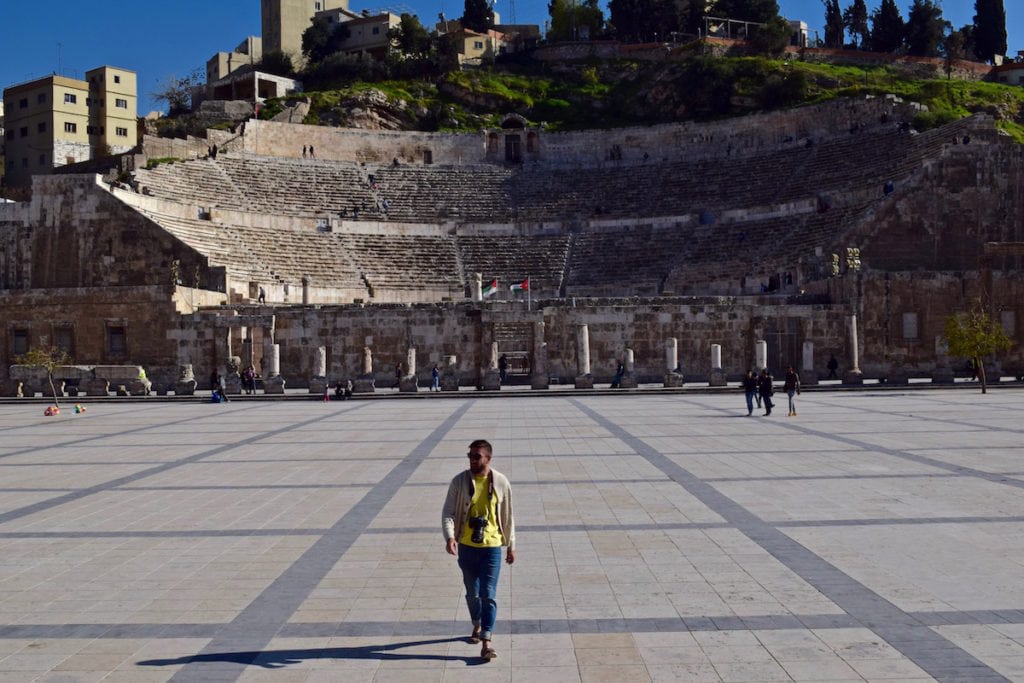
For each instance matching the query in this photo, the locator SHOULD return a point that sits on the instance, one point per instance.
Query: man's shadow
(277, 659)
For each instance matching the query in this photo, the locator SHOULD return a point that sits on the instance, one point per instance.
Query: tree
(323, 39)
(952, 49)
(855, 18)
(478, 16)
(887, 28)
(410, 37)
(49, 358)
(772, 38)
(177, 92)
(925, 28)
(570, 21)
(760, 11)
(989, 29)
(834, 27)
(974, 335)
(276, 62)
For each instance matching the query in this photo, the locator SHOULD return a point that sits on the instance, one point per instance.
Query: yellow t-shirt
(482, 505)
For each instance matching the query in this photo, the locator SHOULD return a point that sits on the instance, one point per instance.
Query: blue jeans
(750, 401)
(792, 406)
(436, 385)
(480, 568)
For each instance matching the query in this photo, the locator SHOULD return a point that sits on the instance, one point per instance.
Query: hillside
(609, 94)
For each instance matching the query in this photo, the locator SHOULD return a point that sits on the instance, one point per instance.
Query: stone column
(273, 383)
(539, 366)
(450, 374)
(492, 378)
(853, 375)
(808, 375)
(760, 355)
(408, 383)
(186, 384)
(364, 384)
(584, 380)
(478, 287)
(672, 377)
(717, 376)
(318, 383)
(629, 376)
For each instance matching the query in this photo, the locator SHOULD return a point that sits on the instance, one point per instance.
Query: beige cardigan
(460, 495)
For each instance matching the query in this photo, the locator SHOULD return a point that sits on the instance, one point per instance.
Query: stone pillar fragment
(760, 355)
(808, 375)
(629, 376)
(450, 374)
(478, 287)
(853, 375)
(492, 377)
(539, 366)
(673, 378)
(318, 383)
(409, 383)
(364, 384)
(186, 384)
(305, 290)
(717, 376)
(584, 380)
(943, 372)
(273, 383)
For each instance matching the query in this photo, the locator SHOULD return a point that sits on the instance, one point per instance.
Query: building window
(41, 98)
(478, 45)
(24, 162)
(70, 98)
(23, 131)
(117, 79)
(122, 132)
(41, 128)
(20, 342)
(117, 345)
(910, 325)
(70, 127)
(64, 339)
(121, 104)
(376, 30)
(23, 103)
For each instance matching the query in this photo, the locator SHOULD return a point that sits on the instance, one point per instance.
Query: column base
(897, 376)
(139, 387)
(233, 385)
(363, 385)
(273, 385)
(449, 382)
(491, 381)
(319, 386)
(539, 382)
(584, 382)
(853, 377)
(717, 378)
(943, 375)
(628, 382)
(673, 380)
(185, 387)
(408, 385)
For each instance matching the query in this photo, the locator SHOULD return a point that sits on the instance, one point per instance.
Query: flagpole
(528, 294)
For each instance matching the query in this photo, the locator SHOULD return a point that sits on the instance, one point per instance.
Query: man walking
(765, 389)
(477, 522)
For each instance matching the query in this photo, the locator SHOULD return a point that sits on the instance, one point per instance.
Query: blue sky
(159, 40)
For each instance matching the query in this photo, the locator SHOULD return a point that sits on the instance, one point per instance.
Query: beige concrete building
(57, 120)
(223, 64)
(473, 47)
(367, 33)
(284, 21)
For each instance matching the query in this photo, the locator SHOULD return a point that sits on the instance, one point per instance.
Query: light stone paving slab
(661, 538)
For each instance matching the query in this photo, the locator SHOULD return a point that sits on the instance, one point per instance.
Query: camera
(478, 524)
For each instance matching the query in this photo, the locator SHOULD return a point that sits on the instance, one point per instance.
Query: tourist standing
(435, 375)
(792, 387)
(398, 375)
(476, 522)
(750, 391)
(765, 389)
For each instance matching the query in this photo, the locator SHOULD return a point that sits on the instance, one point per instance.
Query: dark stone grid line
(238, 644)
(935, 654)
(158, 469)
(760, 622)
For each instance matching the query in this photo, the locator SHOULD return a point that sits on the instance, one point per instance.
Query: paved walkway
(876, 536)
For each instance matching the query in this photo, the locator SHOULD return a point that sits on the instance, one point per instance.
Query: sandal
(474, 637)
(488, 653)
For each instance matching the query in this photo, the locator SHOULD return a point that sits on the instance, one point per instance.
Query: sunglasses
(476, 456)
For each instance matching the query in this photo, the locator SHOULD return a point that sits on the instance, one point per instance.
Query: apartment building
(56, 120)
(284, 22)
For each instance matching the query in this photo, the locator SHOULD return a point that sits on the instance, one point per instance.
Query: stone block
(273, 385)
(673, 380)
(449, 382)
(408, 385)
(491, 381)
(10, 388)
(942, 375)
(363, 385)
(717, 378)
(897, 375)
(319, 385)
(96, 386)
(138, 387)
(539, 382)
(185, 387)
(628, 382)
(584, 382)
(853, 377)
(233, 384)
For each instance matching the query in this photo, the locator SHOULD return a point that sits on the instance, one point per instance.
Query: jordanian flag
(490, 288)
(523, 286)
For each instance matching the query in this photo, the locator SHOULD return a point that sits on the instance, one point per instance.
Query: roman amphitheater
(828, 230)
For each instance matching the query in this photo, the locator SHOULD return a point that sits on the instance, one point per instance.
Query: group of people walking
(761, 388)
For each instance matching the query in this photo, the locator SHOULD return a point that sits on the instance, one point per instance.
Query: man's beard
(476, 467)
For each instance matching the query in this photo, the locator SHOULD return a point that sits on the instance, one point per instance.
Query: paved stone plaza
(878, 536)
